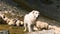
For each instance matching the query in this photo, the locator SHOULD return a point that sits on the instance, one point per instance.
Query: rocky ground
(44, 32)
(14, 12)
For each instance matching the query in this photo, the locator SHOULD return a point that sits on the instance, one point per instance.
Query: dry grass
(12, 29)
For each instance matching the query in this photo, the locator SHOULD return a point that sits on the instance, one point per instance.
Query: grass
(12, 29)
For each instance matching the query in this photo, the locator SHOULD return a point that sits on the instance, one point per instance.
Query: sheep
(11, 22)
(35, 28)
(29, 19)
(8, 20)
(2, 15)
(41, 25)
(21, 22)
(5, 18)
(6, 11)
(18, 23)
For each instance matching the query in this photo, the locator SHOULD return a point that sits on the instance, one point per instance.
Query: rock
(4, 32)
(42, 32)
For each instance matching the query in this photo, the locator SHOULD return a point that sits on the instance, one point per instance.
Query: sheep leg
(39, 28)
(25, 27)
(29, 28)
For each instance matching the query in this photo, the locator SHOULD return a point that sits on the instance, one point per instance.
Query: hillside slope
(20, 11)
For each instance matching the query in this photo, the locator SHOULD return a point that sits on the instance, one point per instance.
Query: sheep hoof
(24, 30)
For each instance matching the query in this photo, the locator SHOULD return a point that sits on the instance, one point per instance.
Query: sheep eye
(36, 13)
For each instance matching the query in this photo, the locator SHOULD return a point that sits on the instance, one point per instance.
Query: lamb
(41, 25)
(18, 23)
(29, 20)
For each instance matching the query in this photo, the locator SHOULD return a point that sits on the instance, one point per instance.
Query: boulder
(42, 32)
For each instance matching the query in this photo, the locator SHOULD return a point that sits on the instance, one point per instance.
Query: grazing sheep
(6, 11)
(18, 23)
(29, 19)
(2, 15)
(11, 22)
(6, 19)
(35, 28)
(21, 22)
(41, 25)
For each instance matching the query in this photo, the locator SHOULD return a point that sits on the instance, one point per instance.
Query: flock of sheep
(10, 21)
(30, 22)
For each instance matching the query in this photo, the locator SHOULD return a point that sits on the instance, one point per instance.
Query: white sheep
(21, 22)
(18, 23)
(41, 25)
(11, 22)
(2, 15)
(35, 28)
(29, 19)
(6, 11)
(5, 18)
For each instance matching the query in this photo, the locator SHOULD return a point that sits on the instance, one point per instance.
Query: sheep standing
(41, 25)
(29, 20)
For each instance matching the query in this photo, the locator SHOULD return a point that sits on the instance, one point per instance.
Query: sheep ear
(33, 11)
